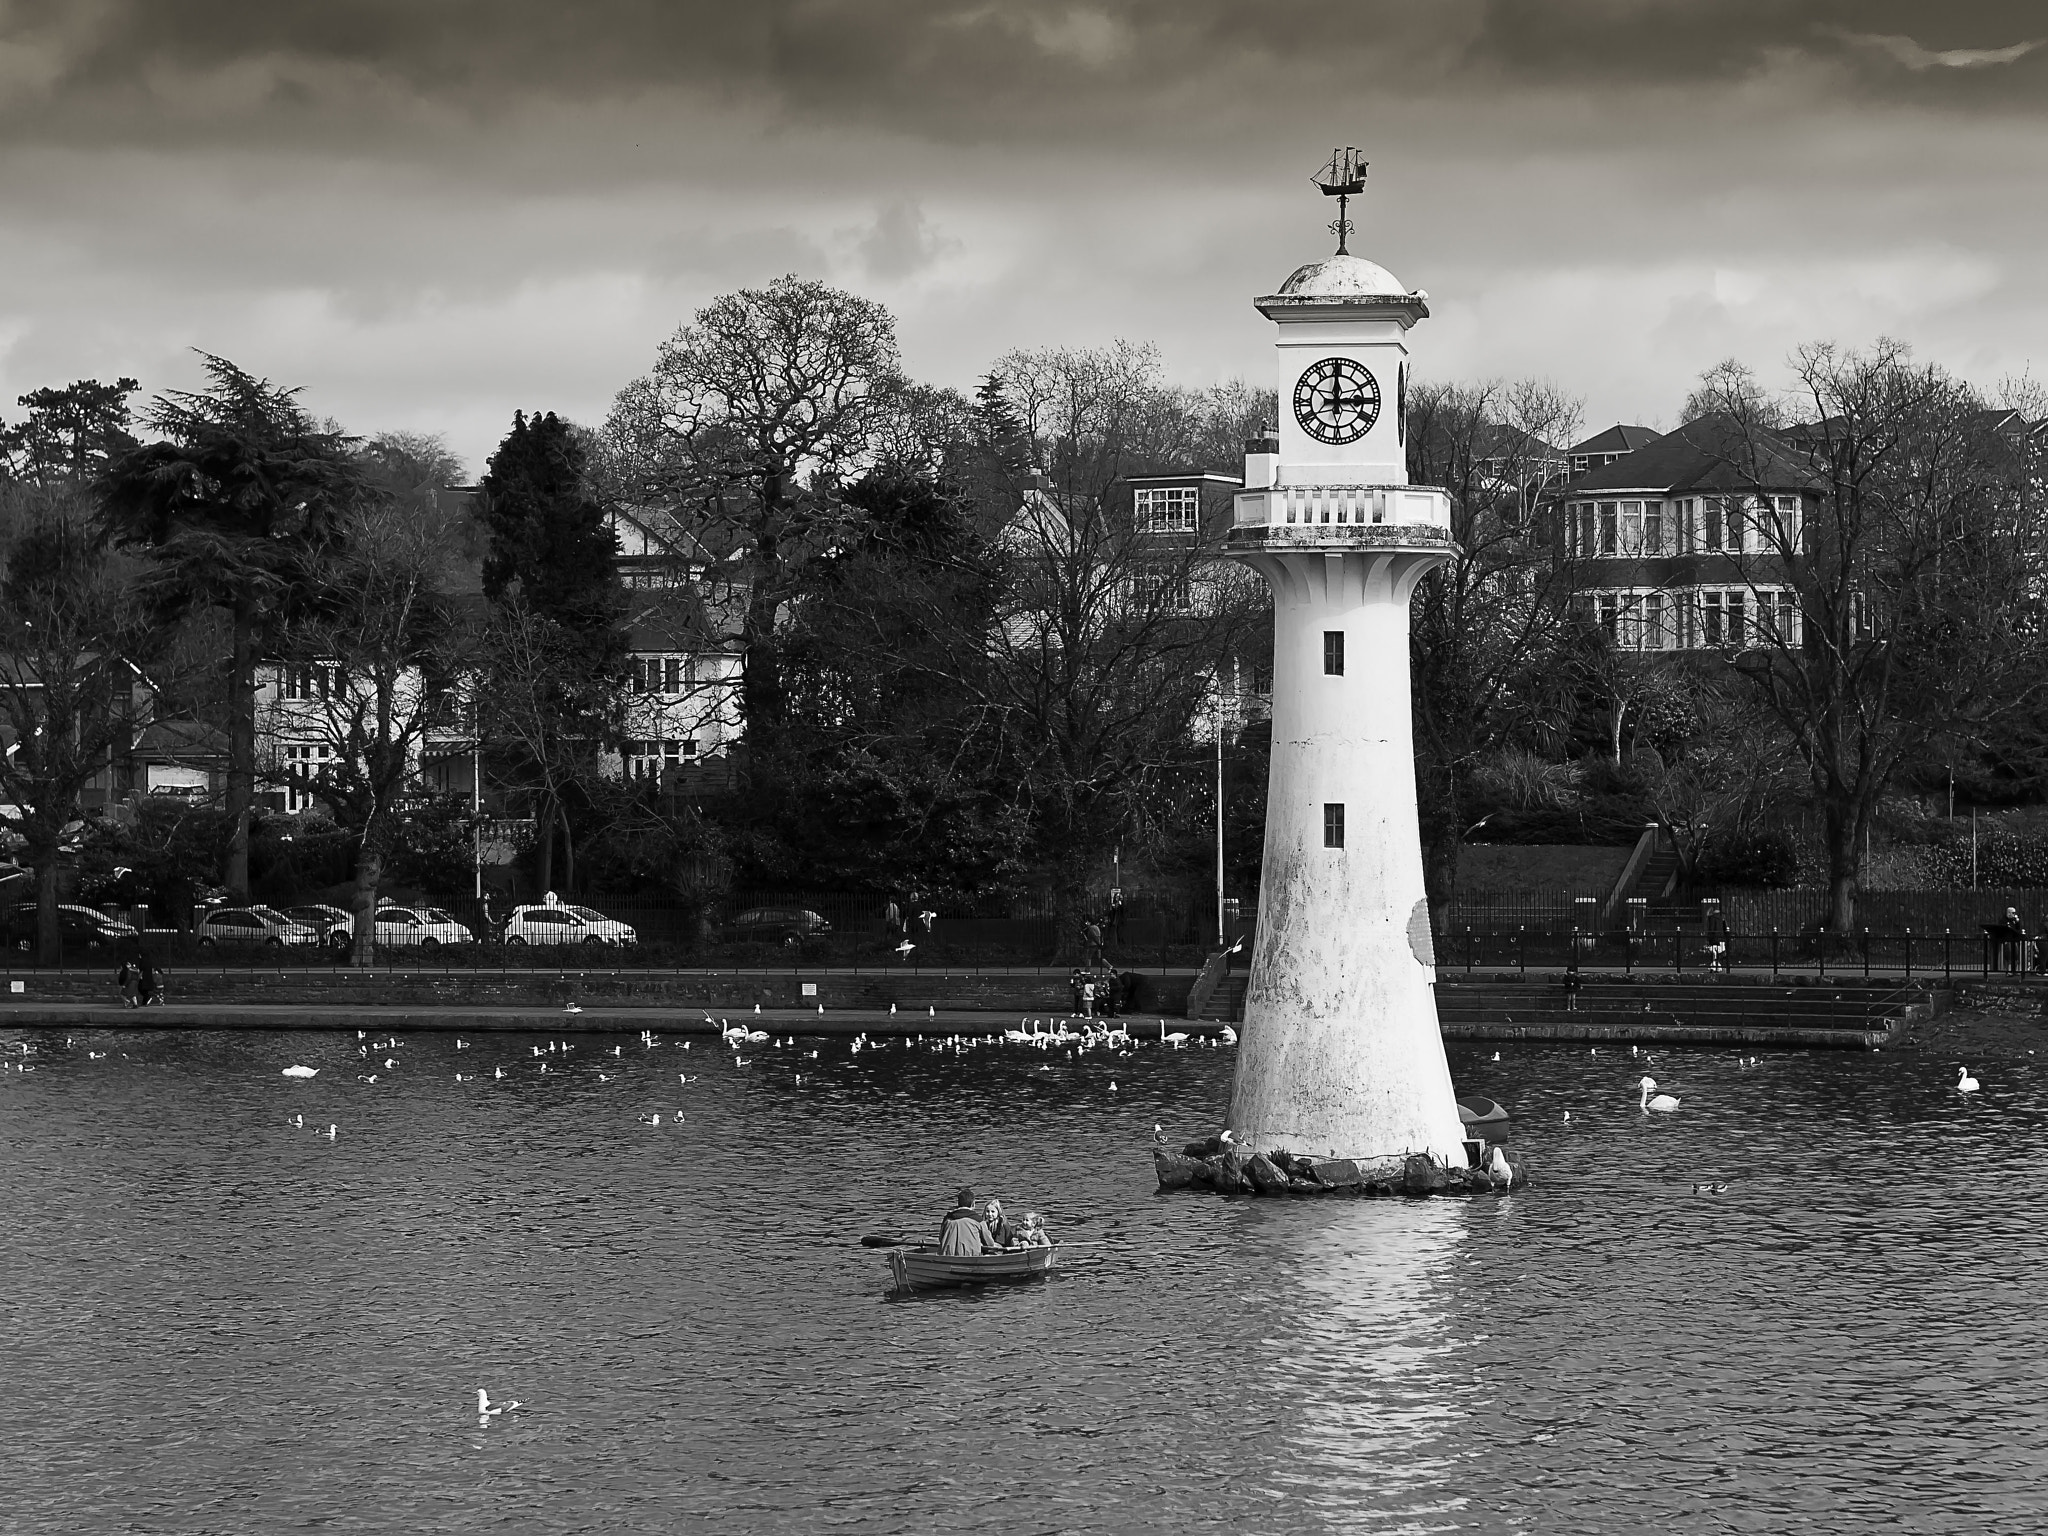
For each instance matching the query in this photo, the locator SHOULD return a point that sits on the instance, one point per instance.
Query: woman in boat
(999, 1227)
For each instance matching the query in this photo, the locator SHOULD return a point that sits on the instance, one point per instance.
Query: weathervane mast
(1343, 178)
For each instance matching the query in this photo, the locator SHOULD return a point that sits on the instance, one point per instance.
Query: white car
(420, 928)
(566, 925)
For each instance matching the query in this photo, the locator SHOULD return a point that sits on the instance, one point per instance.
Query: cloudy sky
(432, 212)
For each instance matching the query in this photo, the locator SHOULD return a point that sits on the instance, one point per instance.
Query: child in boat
(1033, 1235)
(999, 1228)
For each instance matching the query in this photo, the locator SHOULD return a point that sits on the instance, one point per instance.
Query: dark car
(76, 925)
(777, 925)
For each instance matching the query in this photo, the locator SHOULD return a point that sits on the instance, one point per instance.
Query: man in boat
(963, 1234)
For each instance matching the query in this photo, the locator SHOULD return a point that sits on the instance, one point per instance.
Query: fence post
(1909, 954)
(1946, 972)
(1774, 954)
(1866, 954)
(1522, 950)
(1468, 949)
(1678, 951)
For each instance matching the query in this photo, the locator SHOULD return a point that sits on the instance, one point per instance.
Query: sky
(430, 213)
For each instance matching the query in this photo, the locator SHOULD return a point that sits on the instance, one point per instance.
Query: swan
(1660, 1101)
(1227, 1035)
(757, 1036)
(1966, 1083)
(296, 1071)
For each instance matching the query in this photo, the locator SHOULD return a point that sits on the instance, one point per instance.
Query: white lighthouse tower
(1341, 1053)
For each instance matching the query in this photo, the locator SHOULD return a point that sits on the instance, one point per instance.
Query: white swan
(1177, 1039)
(1966, 1083)
(301, 1072)
(1227, 1035)
(1660, 1101)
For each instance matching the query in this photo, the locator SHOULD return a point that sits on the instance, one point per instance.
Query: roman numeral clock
(1337, 400)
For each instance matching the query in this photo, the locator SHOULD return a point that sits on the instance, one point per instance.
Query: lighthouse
(1341, 1055)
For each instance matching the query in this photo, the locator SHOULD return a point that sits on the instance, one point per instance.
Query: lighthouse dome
(1342, 277)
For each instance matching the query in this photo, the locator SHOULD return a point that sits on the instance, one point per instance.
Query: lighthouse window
(1333, 825)
(1333, 652)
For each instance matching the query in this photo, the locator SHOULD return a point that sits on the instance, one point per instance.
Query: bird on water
(1966, 1083)
(1654, 1100)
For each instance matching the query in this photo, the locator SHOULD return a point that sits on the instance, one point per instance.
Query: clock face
(1336, 400)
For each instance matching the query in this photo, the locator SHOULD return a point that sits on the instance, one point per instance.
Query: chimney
(1261, 459)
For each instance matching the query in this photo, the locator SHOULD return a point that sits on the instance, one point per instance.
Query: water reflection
(1378, 1379)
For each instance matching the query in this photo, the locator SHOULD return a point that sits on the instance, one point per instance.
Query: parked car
(420, 928)
(76, 925)
(337, 925)
(566, 925)
(254, 925)
(777, 925)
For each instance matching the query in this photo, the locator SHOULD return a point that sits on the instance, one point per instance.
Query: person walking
(147, 986)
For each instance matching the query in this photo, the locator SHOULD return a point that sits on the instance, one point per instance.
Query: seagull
(1159, 1133)
(390, 1061)
(461, 1044)
(1966, 1083)
(1112, 1086)
(301, 1072)
(296, 1120)
(905, 947)
(571, 1008)
(370, 1079)
(1501, 1168)
(1710, 1189)
(500, 1072)
(95, 1055)
(460, 1078)
(743, 1061)
(1496, 1055)
(1227, 1035)
(650, 1119)
(487, 1409)
(330, 1133)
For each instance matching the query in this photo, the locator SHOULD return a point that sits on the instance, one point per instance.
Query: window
(1333, 825)
(1607, 527)
(1333, 653)
(1655, 636)
(690, 746)
(303, 763)
(318, 680)
(1778, 616)
(1653, 528)
(1580, 463)
(1738, 629)
(1169, 509)
(1710, 618)
(1606, 611)
(672, 674)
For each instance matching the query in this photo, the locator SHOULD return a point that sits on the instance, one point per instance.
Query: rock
(1199, 1149)
(1284, 1161)
(1296, 1185)
(1174, 1172)
(1265, 1178)
(1227, 1173)
(1333, 1172)
(1205, 1171)
(1422, 1175)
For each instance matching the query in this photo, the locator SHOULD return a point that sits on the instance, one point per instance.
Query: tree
(235, 503)
(554, 655)
(1484, 624)
(753, 415)
(73, 640)
(381, 632)
(69, 435)
(1911, 557)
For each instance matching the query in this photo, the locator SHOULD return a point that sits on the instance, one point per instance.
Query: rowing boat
(926, 1266)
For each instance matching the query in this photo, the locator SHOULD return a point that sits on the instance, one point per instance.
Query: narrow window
(1607, 527)
(672, 674)
(1333, 653)
(1333, 825)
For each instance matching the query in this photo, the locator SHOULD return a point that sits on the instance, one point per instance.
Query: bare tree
(73, 642)
(754, 413)
(1909, 556)
(1484, 622)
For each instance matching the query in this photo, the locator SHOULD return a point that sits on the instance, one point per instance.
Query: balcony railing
(1330, 507)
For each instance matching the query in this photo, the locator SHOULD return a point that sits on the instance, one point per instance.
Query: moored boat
(1478, 1111)
(915, 1268)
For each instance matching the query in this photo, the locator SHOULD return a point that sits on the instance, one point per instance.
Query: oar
(884, 1240)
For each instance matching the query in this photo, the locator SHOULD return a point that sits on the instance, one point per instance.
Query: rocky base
(1233, 1171)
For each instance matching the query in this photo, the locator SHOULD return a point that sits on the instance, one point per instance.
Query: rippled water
(217, 1322)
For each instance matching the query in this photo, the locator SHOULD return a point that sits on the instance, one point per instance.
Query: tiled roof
(1617, 439)
(1711, 454)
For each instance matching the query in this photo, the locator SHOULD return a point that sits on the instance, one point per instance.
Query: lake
(217, 1321)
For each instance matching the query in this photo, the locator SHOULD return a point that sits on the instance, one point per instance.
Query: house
(1677, 543)
(1605, 448)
